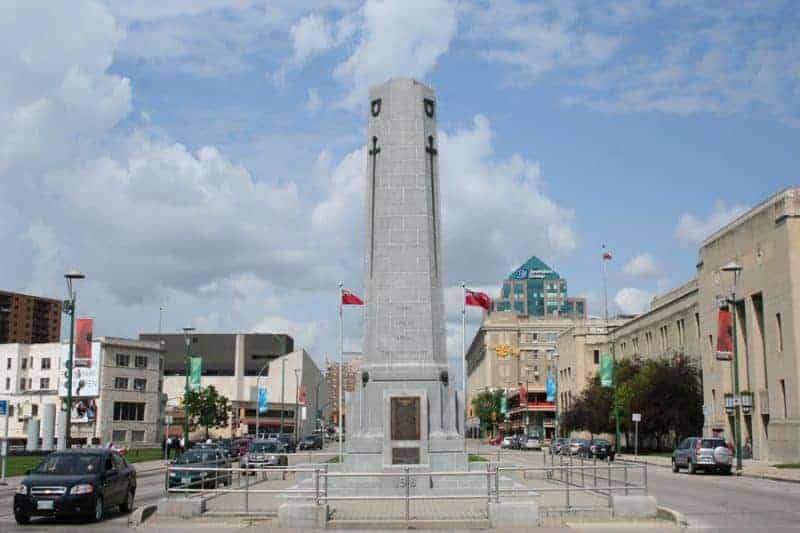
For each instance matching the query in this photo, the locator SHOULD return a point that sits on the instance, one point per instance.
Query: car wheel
(692, 468)
(726, 471)
(98, 509)
(127, 506)
(22, 519)
(674, 465)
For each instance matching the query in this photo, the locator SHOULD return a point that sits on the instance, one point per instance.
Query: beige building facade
(509, 352)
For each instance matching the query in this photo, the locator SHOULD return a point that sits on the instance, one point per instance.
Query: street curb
(141, 514)
(672, 515)
(751, 476)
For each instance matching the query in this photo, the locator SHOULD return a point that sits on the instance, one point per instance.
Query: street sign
(3, 407)
(637, 417)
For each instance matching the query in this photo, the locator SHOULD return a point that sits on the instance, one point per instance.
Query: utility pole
(737, 400)
(187, 335)
(69, 307)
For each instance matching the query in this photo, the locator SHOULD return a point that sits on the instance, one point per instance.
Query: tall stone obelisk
(403, 409)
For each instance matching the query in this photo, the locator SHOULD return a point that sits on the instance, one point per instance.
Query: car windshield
(197, 456)
(712, 443)
(261, 447)
(70, 464)
(602, 442)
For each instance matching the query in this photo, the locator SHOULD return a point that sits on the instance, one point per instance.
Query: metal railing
(498, 481)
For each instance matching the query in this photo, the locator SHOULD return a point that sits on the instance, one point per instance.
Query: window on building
(24, 363)
(119, 435)
(711, 343)
(34, 410)
(8, 363)
(779, 325)
(133, 411)
(31, 363)
(139, 385)
(597, 357)
(44, 383)
(22, 383)
(123, 359)
(121, 383)
(8, 383)
(141, 361)
(697, 324)
(713, 401)
(783, 395)
(10, 410)
(45, 363)
(30, 383)
(137, 435)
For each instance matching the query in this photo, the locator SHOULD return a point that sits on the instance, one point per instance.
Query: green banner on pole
(195, 371)
(606, 371)
(503, 405)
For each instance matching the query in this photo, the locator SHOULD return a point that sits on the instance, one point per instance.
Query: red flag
(478, 299)
(724, 335)
(302, 400)
(523, 395)
(349, 298)
(606, 255)
(83, 341)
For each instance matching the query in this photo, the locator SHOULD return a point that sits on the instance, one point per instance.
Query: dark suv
(76, 482)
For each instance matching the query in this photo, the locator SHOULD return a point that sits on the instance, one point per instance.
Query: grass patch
(475, 458)
(144, 454)
(787, 465)
(334, 459)
(18, 465)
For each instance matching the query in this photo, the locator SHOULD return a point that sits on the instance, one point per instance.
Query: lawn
(474, 458)
(788, 465)
(18, 465)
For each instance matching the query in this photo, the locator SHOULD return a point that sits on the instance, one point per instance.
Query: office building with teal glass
(535, 289)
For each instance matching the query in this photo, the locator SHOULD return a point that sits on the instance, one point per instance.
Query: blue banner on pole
(551, 388)
(3, 407)
(262, 400)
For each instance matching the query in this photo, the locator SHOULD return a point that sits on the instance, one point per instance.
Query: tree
(486, 406)
(207, 408)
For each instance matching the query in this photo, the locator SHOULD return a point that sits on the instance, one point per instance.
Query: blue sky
(208, 154)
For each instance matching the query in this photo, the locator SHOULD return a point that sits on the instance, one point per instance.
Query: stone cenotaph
(403, 411)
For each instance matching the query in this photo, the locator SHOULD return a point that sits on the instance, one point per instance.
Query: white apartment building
(117, 395)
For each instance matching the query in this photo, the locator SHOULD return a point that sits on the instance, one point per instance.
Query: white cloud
(632, 301)
(306, 334)
(397, 38)
(311, 35)
(313, 101)
(692, 230)
(643, 265)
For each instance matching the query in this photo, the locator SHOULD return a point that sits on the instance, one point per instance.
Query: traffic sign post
(4, 449)
(637, 417)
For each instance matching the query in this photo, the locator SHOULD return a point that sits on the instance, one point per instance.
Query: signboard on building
(83, 342)
(195, 372)
(606, 370)
(85, 378)
(262, 400)
(551, 388)
(724, 335)
(3, 407)
(636, 417)
(84, 411)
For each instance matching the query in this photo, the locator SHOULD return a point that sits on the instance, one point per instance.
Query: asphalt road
(712, 501)
(148, 490)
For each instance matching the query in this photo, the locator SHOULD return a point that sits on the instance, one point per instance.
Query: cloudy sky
(208, 155)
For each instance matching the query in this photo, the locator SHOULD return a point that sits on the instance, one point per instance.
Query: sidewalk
(750, 468)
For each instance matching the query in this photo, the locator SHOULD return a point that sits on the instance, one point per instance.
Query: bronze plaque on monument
(405, 418)
(405, 456)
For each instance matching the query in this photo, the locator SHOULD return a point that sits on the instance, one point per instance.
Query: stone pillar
(48, 426)
(61, 426)
(33, 435)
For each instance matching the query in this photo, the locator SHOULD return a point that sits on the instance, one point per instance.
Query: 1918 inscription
(405, 418)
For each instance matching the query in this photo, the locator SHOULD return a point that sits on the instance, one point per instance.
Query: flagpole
(464, 359)
(341, 368)
(605, 287)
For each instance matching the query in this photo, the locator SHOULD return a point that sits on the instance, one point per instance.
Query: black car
(601, 449)
(201, 472)
(83, 482)
(288, 443)
(311, 442)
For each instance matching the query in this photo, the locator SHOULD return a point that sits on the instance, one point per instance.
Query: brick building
(27, 319)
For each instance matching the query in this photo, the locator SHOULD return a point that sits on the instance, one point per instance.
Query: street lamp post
(258, 396)
(69, 308)
(187, 335)
(737, 428)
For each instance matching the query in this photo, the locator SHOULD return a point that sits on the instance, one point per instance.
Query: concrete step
(451, 525)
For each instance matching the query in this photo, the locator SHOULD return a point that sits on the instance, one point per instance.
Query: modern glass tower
(535, 289)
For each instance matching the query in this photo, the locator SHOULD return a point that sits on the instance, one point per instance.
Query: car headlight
(22, 489)
(84, 488)
(173, 474)
(273, 458)
(203, 474)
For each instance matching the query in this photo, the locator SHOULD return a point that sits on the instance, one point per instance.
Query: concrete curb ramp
(141, 514)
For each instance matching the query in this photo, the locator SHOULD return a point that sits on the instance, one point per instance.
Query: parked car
(697, 453)
(239, 447)
(559, 445)
(578, 446)
(532, 443)
(311, 442)
(508, 442)
(84, 481)
(263, 454)
(289, 444)
(601, 449)
(203, 462)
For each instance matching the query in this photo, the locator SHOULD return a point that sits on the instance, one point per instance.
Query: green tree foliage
(667, 392)
(207, 408)
(486, 403)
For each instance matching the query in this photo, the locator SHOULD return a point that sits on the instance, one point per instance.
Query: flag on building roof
(350, 298)
(478, 299)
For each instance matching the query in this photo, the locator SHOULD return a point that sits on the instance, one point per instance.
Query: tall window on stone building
(697, 324)
(783, 396)
(758, 311)
(597, 357)
(778, 324)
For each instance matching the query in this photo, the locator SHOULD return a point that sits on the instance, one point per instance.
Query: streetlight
(736, 268)
(69, 308)
(187, 336)
(258, 395)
